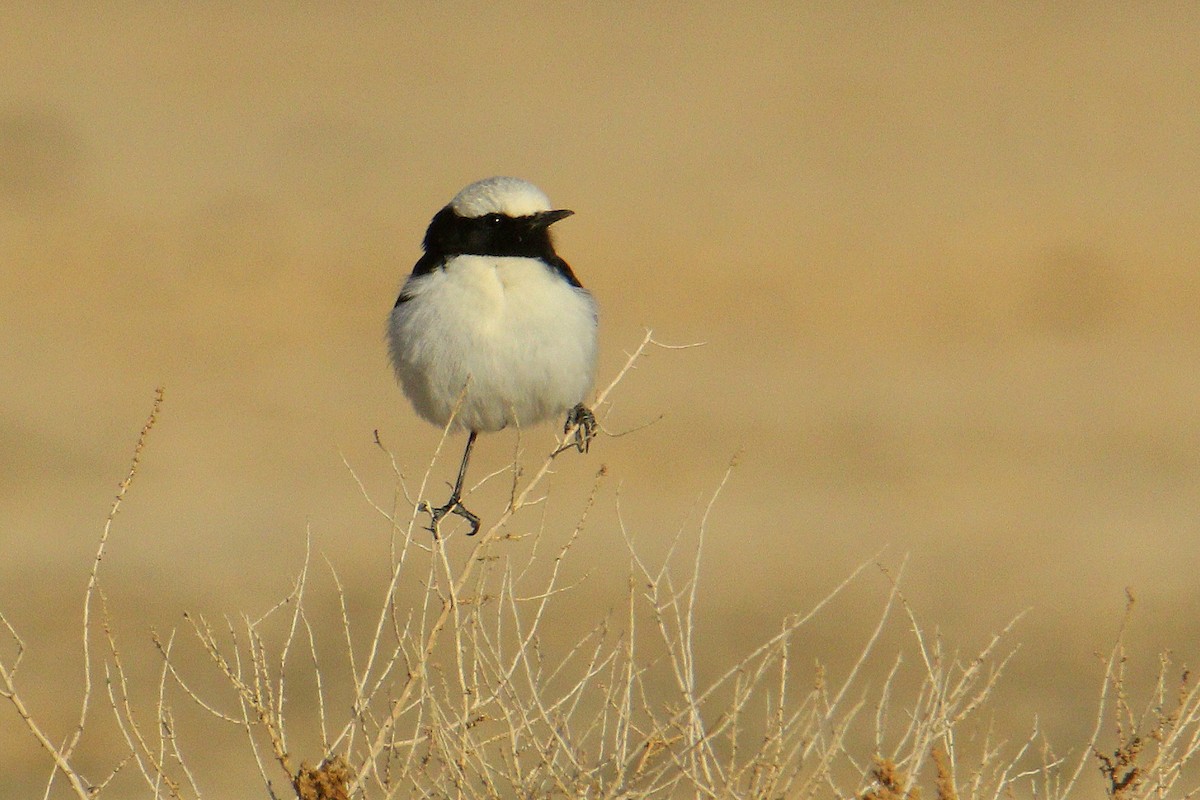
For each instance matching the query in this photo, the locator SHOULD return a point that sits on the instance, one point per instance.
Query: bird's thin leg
(582, 417)
(454, 504)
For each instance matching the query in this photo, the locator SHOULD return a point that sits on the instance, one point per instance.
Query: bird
(492, 328)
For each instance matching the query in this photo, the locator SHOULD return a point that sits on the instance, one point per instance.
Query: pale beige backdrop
(943, 260)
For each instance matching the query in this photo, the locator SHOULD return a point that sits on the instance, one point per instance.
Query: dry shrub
(945, 776)
(890, 783)
(328, 781)
(1152, 749)
(459, 695)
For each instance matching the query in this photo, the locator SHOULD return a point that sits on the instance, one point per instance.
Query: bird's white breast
(507, 334)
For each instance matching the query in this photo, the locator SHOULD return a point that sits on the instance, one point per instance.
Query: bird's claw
(584, 421)
(453, 506)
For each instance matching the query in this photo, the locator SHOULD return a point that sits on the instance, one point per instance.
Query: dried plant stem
(10, 693)
(62, 754)
(470, 692)
(450, 599)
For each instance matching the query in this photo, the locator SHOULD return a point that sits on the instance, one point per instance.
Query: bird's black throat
(451, 235)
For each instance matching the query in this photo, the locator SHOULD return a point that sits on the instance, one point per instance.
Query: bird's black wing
(563, 268)
(425, 265)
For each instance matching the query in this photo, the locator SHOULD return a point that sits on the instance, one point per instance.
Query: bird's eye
(493, 219)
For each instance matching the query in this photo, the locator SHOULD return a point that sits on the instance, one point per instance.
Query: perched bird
(492, 327)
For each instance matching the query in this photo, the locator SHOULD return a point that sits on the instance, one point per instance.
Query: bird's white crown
(513, 197)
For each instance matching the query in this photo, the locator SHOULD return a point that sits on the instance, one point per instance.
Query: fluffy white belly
(521, 340)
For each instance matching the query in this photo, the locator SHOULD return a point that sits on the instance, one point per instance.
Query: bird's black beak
(544, 219)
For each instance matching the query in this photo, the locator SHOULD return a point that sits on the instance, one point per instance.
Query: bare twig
(62, 754)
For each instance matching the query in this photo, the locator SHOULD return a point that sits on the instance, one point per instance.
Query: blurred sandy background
(944, 262)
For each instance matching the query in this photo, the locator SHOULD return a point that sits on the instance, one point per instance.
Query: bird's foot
(584, 421)
(453, 506)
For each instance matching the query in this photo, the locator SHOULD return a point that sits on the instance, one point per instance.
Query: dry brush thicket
(461, 695)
